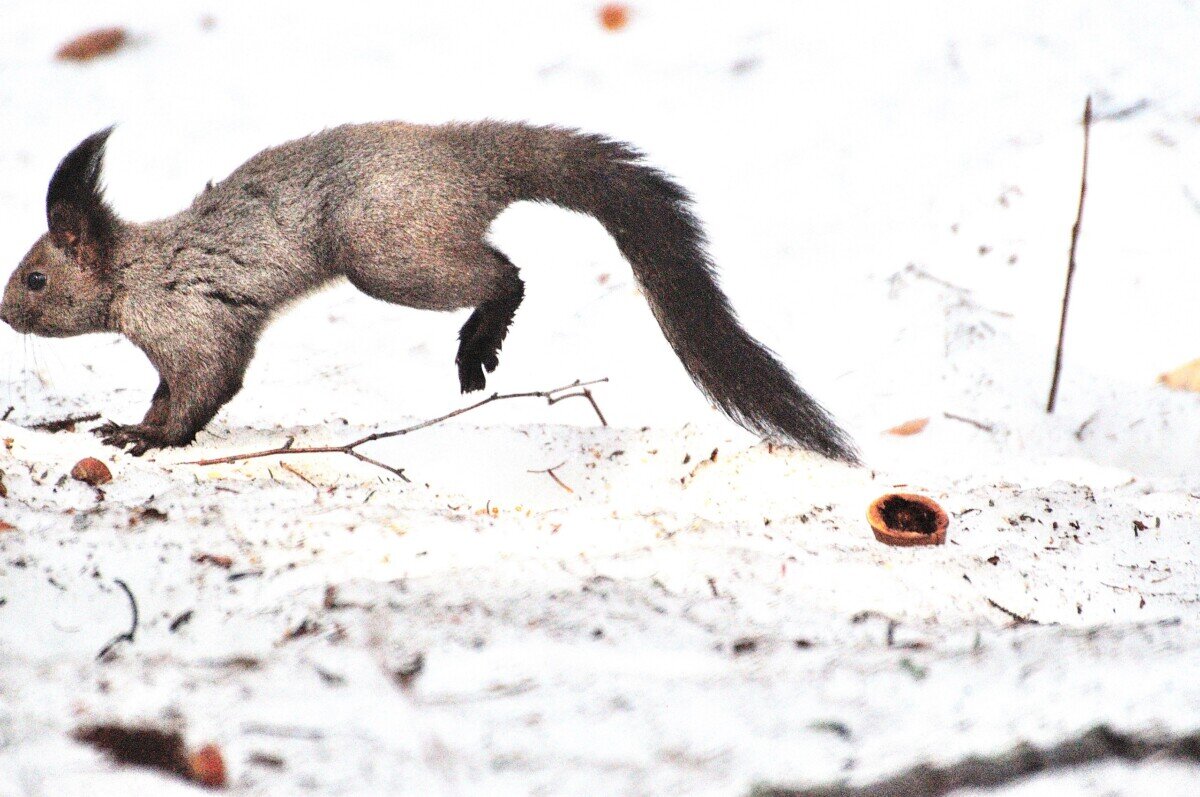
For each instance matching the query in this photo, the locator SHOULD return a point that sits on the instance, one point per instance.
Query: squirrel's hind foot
(478, 352)
(483, 334)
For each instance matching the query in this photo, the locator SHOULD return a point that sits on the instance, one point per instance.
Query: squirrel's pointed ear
(81, 223)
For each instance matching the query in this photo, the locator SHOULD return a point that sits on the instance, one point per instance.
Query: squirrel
(401, 211)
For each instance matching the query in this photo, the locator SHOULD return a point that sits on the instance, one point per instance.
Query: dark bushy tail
(650, 218)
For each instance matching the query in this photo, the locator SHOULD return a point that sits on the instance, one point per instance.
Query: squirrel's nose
(6, 316)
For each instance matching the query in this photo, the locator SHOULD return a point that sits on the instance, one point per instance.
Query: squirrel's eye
(35, 281)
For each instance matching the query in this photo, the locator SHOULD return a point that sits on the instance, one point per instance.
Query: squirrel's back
(402, 211)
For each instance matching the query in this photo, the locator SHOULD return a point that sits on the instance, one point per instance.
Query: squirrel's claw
(105, 429)
(141, 447)
(136, 439)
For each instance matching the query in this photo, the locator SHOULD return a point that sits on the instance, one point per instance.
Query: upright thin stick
(1062, 326)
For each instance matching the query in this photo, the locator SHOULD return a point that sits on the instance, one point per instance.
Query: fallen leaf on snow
(208, 767)
(1185, 377)
(92, 44)
(614, 16)
(147, 514)
(915, 426)
(218, 559)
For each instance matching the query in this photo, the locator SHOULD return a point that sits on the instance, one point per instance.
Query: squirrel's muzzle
(12, 318)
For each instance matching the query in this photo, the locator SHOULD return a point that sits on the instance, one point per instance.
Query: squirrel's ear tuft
(81, 223)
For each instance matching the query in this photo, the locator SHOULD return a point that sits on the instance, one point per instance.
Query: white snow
(889, 190)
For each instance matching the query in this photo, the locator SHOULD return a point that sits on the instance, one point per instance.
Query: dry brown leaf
(915, 426)
(1185, 377)
(614, 16)
(92, 44)
(7, 526)
(217, 559)
(208, 767)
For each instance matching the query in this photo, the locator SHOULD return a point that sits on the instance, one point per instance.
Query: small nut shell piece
(91, 471)
(908, 519)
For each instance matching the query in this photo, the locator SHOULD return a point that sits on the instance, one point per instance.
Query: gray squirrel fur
(401, 211)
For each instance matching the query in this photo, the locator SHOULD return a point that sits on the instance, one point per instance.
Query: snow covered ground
(889, 189)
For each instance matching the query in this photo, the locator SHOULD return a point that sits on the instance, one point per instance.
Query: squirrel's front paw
(105, 429)
(137, 438)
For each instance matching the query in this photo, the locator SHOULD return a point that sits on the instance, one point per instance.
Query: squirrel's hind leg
(482, 336)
